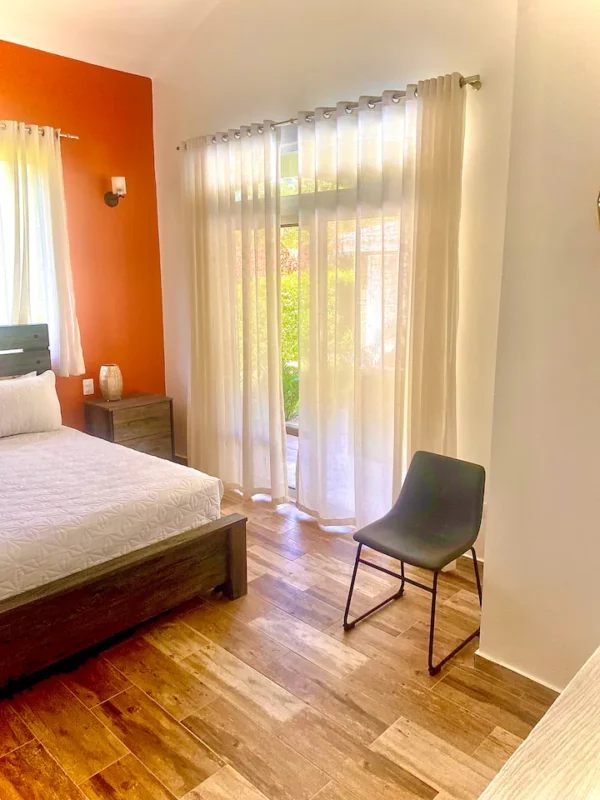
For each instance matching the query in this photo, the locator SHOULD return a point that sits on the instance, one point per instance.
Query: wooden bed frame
(51, 622)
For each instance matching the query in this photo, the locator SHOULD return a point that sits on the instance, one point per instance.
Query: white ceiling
(132, 35)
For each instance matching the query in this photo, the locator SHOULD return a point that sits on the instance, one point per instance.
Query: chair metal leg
(432, 669)
(349, 625)
(477, 578)
(435, 668)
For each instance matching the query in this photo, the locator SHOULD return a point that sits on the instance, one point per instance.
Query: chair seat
(429, 547)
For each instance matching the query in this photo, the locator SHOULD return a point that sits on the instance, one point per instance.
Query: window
(289, 295)
(35, 269)
(25, 288)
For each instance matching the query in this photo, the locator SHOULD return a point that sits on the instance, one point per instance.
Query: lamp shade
(111, 382)
(119, 186)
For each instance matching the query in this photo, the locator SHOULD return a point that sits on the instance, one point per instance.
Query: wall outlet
(88, 386)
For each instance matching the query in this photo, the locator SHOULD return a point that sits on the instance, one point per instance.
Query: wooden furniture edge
(115, 565)
(515, 679)
(135, 399)
(170, 399)
(50, 623)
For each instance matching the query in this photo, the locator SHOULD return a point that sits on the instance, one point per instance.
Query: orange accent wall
(114, 251)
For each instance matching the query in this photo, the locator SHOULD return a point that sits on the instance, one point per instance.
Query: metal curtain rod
(29, 128)
(470, 80)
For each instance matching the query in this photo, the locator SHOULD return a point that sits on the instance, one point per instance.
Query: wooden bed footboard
(51, 622)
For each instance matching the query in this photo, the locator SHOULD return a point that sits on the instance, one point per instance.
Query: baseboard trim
(469, 555)
(518, 680)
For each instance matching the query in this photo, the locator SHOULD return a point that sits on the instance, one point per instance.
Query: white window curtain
(36, 283)
(236, 427)
(379, 210)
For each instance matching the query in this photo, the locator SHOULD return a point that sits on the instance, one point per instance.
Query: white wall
(541, 611)
(270, 58)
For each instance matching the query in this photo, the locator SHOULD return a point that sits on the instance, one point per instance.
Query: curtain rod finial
(472, 80)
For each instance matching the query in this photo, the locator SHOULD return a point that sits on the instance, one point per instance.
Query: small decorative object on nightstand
(143, 422)
(111, 382)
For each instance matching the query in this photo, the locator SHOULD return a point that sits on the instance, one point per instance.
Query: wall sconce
(119, 189)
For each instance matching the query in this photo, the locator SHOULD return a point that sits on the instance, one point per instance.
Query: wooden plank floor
(267, 697)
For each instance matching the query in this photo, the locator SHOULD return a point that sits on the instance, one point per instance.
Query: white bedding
(69, 501)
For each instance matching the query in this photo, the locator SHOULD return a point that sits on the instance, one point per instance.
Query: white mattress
(69, 501)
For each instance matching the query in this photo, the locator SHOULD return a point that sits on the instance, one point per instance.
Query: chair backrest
(442, 491)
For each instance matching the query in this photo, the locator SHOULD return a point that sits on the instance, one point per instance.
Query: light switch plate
(88, 386)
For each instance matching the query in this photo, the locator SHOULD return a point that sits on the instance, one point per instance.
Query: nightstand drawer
(142, 421)
(157, 445)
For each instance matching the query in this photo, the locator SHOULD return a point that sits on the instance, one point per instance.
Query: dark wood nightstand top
(129, 401)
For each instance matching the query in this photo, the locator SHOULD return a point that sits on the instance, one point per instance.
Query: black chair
(435, 520)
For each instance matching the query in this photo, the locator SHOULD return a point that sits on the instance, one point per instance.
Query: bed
(96, 538)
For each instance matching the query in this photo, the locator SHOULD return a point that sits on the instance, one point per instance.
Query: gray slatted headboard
(23, 349)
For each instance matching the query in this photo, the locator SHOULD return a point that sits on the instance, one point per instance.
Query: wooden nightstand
(142, 421)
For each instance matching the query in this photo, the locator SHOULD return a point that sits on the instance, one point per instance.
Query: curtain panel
(36, 283)
(236, 427)
(379, 210)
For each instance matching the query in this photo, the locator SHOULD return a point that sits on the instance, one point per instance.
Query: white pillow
(29, 405)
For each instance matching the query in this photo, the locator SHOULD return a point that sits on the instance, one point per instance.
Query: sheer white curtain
(236, 427)
(379, 209)
(36, 283)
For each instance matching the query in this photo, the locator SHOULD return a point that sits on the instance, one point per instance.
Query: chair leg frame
(349, 624)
